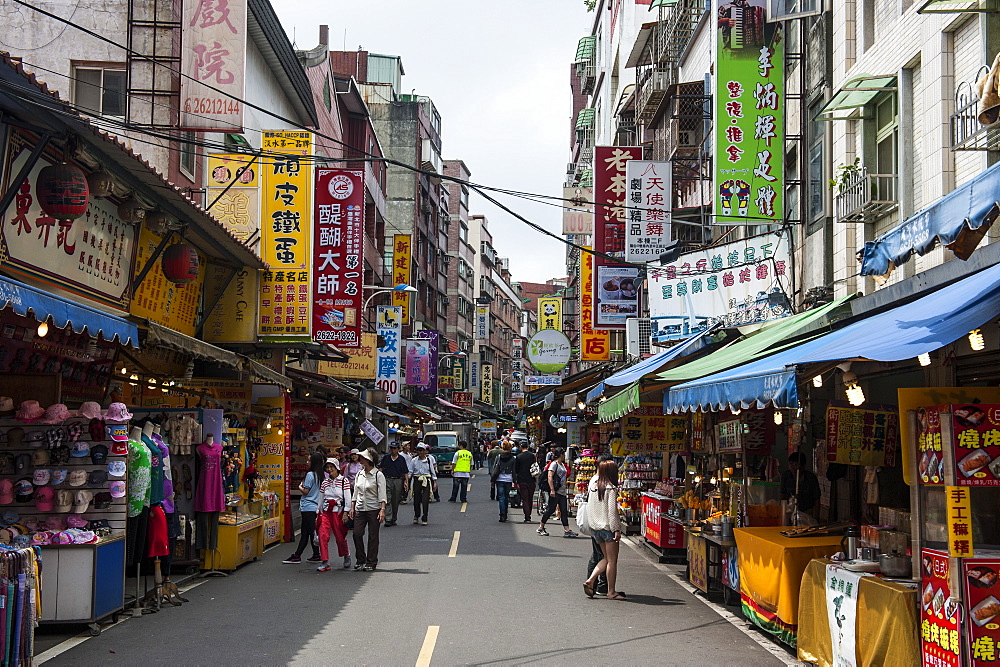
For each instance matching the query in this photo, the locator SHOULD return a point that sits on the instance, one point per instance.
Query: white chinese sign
(213, 61)
(735, 284)
(578, 210)
(389, 327)
(647, 226)
(543, 380)
(482, 322)
(372, 432)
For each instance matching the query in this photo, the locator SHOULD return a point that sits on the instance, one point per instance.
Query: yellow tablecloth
(887, 616)
(771, 567)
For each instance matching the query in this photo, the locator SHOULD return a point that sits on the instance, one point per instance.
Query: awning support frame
(207, 311)
(152, 260)
(15, 183)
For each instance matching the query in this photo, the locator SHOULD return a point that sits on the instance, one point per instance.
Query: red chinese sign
(982, 599)
(976, 430)
(213, 61)
(940, 642)
(930, 467)
(338, 254)
(610, 190)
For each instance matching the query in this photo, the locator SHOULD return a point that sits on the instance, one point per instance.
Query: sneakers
(416, 521)
(347, 562)
(314, 559)
(542, 532)
(451, 500)
(292, 560)
(369, 568)
(424, 522)
(570, 533)
(527, 521)
(359, 566)
(325, 567)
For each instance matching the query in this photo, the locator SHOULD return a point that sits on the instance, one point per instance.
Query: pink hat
(90, 410)
(117, 413)
(56, 414)
(6, 492)
(45, 499)
(29, 411)
(74, 521)
(55, 522)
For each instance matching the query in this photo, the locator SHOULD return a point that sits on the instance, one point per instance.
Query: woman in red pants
(335, 500)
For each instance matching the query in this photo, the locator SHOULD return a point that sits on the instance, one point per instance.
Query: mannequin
(137, 512)
(209, 496)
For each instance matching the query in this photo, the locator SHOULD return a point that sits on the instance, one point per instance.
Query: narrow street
(507, 596)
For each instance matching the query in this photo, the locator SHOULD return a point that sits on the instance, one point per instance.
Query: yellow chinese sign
(159, 300)
(402, 255)
(284, 303)
(959, 521)
(647, 429)
(550, 312)
(234, 318)
(237, 208)
(361, 365)
(594, 345)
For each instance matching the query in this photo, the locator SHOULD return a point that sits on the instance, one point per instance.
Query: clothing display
(209, 494)
(140, 477)
(181, 431)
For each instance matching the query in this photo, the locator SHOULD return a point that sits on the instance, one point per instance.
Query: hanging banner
(614, 304)
(482, 322)
(402, 256)
(361, 365)
(617, 295)
(861, 437)
(338, 256)
(213, 62)
(389, 326)
(431, 335)
(735, 284)
(749, 107)
(959, 513)
(459, 373)
(982, 599)
(462, 399)
(550, 312)
(647, 230)
(474, 374)
(940, 641)
(161, 300)
(418, 362)
(578, 211)
(234, 318)
(842, 613)
(286, 211)
(486, 382)
(372, 432)
(594, 345)
(238, 208)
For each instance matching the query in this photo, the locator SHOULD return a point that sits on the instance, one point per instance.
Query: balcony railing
(653, 86)
(967, 132)
(864, 197)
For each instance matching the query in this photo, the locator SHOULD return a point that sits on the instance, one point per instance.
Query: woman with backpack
(553, 481)
(502, 476)
(602, 516)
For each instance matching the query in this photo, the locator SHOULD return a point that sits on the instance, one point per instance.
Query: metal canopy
(856, 93)
(954, 7)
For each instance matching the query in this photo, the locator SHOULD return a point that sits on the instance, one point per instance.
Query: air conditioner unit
(637, 333)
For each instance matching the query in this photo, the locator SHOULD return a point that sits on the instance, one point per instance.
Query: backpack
(543, 480)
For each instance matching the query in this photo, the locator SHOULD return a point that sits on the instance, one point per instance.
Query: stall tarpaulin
(338, 247)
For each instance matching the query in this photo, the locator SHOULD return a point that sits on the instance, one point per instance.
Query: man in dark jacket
(491, 457)
(502, 476)
(525, 480)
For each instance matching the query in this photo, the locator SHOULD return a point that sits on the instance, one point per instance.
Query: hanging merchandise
(62, 191)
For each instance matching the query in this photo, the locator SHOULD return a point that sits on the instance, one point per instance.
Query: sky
(498, 73)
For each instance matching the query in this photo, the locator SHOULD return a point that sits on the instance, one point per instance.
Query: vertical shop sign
(161, 300)
(238, 208)
(213, 62)
(982, 599)
(647, 229)
(930, 467)
(389, 326)
(418, 362)
(459, 373)
(550, 312)
(402, 256)
(611, 305)
(431, 336)
(976, 429)
(474, 374)
(482, 322)
(594, 345)
(234, 318)
(940, 643)
(578, 211)
(286, 212)
(861, 437)
(338, 254)
(617, 295)
(749, 94)
(959, 512)
(486, 382)
(698, 562)
(274, 458)
(841, 586)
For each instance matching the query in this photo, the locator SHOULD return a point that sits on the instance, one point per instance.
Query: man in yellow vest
(461, 472)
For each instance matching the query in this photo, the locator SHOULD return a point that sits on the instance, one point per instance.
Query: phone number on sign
(219, 106)
(340, 336)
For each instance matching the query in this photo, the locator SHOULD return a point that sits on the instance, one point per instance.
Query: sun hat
(98, 454)
(44, 499)
(116, 468)
(80, 449)
(90, 410)
(85, 537)
(366, 454)
(334, 461)
(117, 413)
(117, 489)
(56, 414)
(6, 492)
(78, 478)
(29, 411)
(62, 537)
(64, 501)
(81, 501)
(6, 406)
(41, 477)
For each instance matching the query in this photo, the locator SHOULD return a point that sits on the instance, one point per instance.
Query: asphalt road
(508, 596)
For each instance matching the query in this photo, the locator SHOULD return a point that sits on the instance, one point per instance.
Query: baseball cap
(78, 478)
(6, 463)
(44, 499)
(97, 477)
(9, 518)
(58, 477)
(116, 468)
(23, 490)
(81, 501)
(22, 463)
(60, 455)
(117, 489)
(117, 432)
(15, 437)
(40, 457)
(80, 450)
(98, 454)
(6, 492)
(422, 446)
(64, 501)
(41, 477)
(102, 501)
(119, 448)
(393, 445)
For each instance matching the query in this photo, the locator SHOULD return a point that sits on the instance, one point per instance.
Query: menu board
(647, 429)
(976, 429)
(930, 467)
(730, 436)
(940, 645)
(861, 437)
(982, 598)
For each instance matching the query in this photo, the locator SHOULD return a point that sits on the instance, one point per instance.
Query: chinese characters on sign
(647, 228)
(361, 365)
(402, 254)
(338, 256)
(161, 300)
(578, 211)
(594, 345)
(981, 594)
(959, 521)
(431, 335)
(749, 106)
(617, 295)
(735, 284)
(940, 642)
(729, 436)
(234, 318)
(482, 322)
(550, 312)
(976, 430)
(389, 326)
(861, 437)
(647, 429)
(930, 467)
(486, 383)
(237, 208)
(213, 62)
(612, 302)
(418, 362)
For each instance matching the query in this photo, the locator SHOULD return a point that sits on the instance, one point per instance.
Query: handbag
(583, 517)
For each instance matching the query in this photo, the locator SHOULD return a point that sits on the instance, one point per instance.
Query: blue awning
(656, 362)
(596, 392)
(904, 332)
(23, 298)
(959, 220)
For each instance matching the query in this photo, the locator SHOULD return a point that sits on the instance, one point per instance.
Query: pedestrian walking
(606, 525)
(335, 500)
(477, 454)
(491, 457)
(502, 475)
(368, 511)
(423, 474)
(524, 478)
(555, 478)
(461, 471)
(308, 508)
(397, 475)
(408, 454)
(352, 468)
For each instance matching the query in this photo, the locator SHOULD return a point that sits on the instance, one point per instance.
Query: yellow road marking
(464, 505)
(427, 650)
(454, 544)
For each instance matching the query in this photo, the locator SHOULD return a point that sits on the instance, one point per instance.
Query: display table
(771, 567)
(887, 617)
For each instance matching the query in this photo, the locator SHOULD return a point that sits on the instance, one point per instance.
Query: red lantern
(180, 263)
(62, 191)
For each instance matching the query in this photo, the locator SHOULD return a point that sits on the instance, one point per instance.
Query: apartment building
(460, 259)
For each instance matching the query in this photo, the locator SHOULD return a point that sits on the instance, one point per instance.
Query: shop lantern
(180, 263)
(131, 211)
(62, 191)
(157, 222)
(101, 183)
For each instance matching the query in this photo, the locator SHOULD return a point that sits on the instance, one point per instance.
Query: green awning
(662, 3)
(857, 93)
(585, 49)
(619, 405)
(587, 178)
(585, 118)
(752, 347)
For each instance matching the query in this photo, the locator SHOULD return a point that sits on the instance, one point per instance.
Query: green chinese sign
(749, 115)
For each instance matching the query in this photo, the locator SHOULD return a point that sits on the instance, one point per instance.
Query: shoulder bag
(583, 515)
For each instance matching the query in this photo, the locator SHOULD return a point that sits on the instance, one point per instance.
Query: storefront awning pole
(15, 183)
(152, 260)
(207, 311)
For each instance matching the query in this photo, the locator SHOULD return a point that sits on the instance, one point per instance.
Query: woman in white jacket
(602, 515)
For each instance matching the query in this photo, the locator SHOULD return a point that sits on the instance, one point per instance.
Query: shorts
(603, 536)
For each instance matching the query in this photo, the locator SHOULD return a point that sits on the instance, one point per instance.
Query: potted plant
(846, 174)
